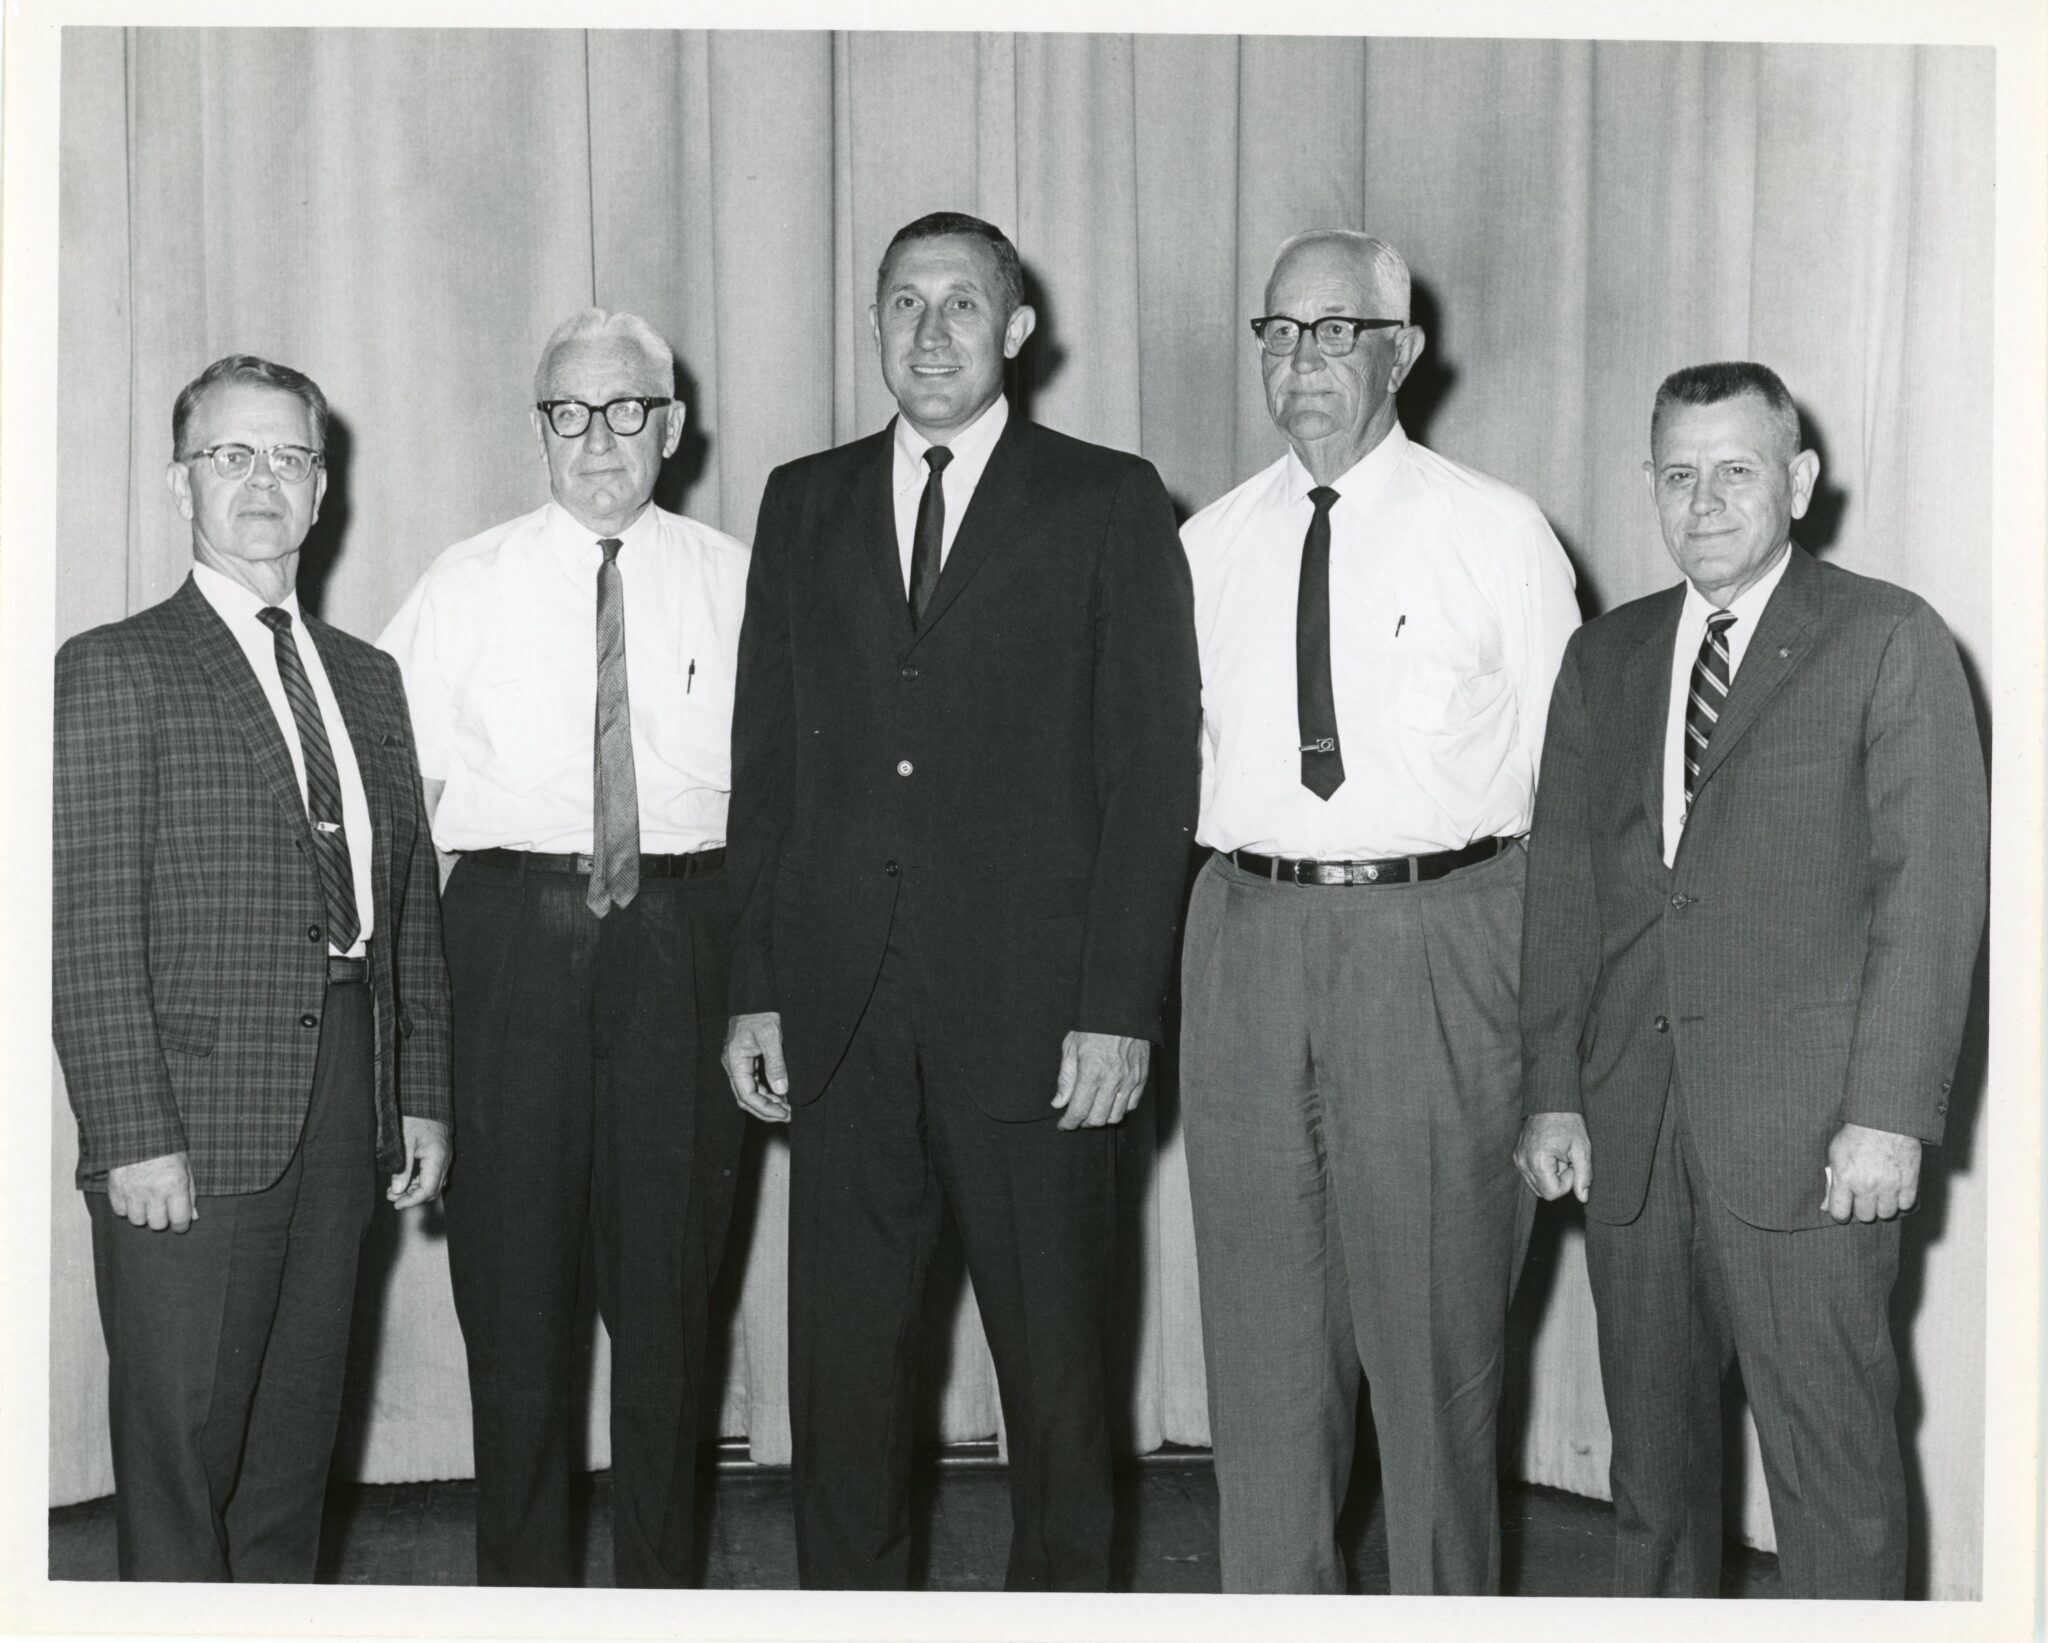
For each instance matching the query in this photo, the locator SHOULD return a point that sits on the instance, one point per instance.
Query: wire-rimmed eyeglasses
(290, 463)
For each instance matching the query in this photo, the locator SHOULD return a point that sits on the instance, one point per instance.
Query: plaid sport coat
(190, 948)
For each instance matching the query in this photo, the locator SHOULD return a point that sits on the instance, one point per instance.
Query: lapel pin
(1784, 650)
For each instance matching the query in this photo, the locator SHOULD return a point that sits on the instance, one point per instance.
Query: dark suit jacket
(1806, 961)
(189, 922)
(1026, 764)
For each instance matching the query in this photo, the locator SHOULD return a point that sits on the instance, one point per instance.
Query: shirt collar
(574, 544)
(971, 447)
(232, 601)
(1746, 606)
(1361, 482)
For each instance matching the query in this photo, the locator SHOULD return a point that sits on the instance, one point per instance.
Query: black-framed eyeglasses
(1336, 334)
(571, 417)
(290, 463)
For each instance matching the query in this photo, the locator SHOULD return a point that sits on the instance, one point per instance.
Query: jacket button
(312, 932)
(309, 1020)
(1662, 1024)
(1941, 1106)
(904, 767)
(1681, 901)
(891, 868)
(910, 673)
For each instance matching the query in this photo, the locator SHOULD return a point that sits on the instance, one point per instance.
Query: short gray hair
(595, 322)
(1731, 379)
(1384, 266)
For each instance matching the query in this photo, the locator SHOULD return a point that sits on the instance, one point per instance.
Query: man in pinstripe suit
(1756, 889)
(250, 1002)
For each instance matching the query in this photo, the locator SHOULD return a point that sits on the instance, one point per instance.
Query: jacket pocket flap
(188, 1031)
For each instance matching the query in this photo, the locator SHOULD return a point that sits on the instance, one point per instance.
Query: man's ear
(1409, 342)
(1023, 321)
(178, 478)
(678, 414)
(1805, 471)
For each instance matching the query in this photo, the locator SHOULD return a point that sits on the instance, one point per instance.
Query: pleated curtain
(406, 214)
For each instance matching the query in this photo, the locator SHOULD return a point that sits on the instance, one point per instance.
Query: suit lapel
(234, 682)
(1784, 634)
(350, 692)
(1646, 684)
(991, 521)
(874, 507)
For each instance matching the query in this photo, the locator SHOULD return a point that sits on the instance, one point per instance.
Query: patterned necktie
(323, 785)
(1322, 763)
(1703, 702)
(615, 818)
(930, 532)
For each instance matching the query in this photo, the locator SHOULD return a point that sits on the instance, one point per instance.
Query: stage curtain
(405, 214)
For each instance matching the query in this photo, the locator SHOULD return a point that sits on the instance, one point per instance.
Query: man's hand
(428, 1153)
(758, 1037)
(155, 1193)
(1101, 1078)
(1872, 1174)
(1555, 1155)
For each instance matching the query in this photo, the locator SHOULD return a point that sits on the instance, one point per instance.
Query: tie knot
(1721, 621)
(276, 618)
(937, 456)
(1324, 498)
(609, 546)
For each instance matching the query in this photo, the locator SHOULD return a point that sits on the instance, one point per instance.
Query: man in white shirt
(1379, 631)
(1756, 889)
(582, 783)
(250, 1003)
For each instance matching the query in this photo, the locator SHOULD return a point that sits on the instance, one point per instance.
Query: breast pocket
(1434, 698)
(690, 723)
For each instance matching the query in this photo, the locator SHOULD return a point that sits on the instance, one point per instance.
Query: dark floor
(419, 1534)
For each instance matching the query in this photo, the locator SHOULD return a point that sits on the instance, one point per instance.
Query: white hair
(595, 322)
(1383, 266)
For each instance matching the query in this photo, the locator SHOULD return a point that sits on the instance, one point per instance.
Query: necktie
(1322, 763)
(615, 810)
(1709, 690)
(930, 532)
(323, 785)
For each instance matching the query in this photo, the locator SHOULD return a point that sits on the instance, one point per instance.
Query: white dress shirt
(1450, 605)
(1746, 607)
(498, 645)
(238, 608)
(971, 449)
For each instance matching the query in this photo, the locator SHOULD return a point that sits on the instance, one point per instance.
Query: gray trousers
(1349, 1081)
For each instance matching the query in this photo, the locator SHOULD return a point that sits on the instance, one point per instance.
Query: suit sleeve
(420, 976)
(1929, 832)
(1560, 911)
(105, 838)
(763, 755)
(1147, 734)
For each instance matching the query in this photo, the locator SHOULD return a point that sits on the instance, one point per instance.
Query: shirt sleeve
(412, 639)
(1544, 616)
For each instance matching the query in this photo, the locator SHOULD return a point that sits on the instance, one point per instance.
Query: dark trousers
(591, 1117)
(1684, 1291)
(875, 1163)
(227, 1343)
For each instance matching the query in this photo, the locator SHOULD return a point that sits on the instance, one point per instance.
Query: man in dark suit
(1756, 890)
(250, 1004)
(964, 777)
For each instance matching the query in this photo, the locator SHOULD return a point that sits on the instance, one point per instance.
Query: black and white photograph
(952, 825)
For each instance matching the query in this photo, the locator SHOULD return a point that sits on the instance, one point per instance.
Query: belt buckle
(584, 864)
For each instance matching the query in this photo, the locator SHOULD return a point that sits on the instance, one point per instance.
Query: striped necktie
(1708, 693)
(323, 785)
(615, 813)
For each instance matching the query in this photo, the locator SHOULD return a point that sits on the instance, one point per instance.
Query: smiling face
(1727, 486)
(941, 332)
(601, 478)
(248, 528)
(1334, 410)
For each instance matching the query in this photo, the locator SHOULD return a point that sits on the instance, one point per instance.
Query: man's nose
(600, 437)
(1706, 495)
(932, 330)
(1307, 355)
(261, 472)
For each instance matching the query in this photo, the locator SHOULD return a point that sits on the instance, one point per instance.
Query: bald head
(1380, 271)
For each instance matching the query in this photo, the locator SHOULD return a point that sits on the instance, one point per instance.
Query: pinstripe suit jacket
(189, 937)
(1806, 960)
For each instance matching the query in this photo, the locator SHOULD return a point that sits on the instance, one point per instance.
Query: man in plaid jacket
(250, 1001)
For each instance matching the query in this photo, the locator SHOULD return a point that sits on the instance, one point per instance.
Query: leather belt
(1388, 870)
(687, 866)
(347, 969)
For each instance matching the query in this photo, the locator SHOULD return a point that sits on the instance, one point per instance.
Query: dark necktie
(930, 532)
(615, 808)
(1322, 762)
(323, 785)
(1709, 690)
